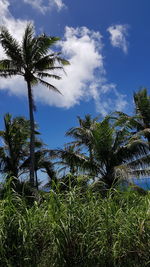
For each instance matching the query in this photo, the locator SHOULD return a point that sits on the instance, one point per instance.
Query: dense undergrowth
(75, 229)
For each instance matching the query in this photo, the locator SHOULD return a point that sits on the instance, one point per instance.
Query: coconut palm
(114, 151)
(30, 59)
(140, 122)
(15, 144)
(70, 158)
(117, 149)
(42, 162)
(71, 164)
(83, 134)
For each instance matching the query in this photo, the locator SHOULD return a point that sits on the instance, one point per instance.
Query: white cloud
(43, 7)
(86, 76)
(15, 26)
(118, 34)
(59, 4)
(106, 96)
(79, 46)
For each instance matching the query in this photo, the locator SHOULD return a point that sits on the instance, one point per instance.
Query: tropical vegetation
(75, 229)
(89, 212)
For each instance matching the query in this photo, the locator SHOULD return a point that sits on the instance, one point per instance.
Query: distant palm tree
(83, 134)
(70, 158)
(140, 122)
(42, 162)
(15, 144)
(30, 59)
(142, 109)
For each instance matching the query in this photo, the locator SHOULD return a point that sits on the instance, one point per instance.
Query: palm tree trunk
(32, 137)
(36, 180)
(92, 174)
(148, 138)
(109, 178)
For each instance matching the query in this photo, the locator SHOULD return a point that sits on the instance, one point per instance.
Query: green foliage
(78, 223)
(107, 148)
(15, 148)
(75, 229)
(139, 123)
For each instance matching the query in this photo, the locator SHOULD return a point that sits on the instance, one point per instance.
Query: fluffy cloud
(79, 46)
(118, 34)
(85, 77)
(107, 98)
(42, 7)
(59, 4)
(15, 26)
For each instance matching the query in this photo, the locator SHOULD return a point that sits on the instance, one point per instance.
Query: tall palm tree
(30, 59)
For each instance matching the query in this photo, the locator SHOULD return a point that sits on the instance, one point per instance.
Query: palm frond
(42, 46)
(7, 64)
(10, 46)
(142, 106)
(70, 157)
(8, 69)
(140, 173)
(103, 140)
(122, 119)
(47, 75)
(62, 61)
(142, 162)
(47, 62)
(50, 86)
(27, 44)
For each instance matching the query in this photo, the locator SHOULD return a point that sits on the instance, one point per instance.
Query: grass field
(75, 229)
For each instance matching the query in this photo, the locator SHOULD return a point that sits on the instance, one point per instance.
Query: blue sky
(108, 46)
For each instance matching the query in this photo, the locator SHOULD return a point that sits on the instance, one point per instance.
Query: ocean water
(142, 182)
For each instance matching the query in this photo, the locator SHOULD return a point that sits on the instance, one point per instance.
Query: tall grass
(74, 229)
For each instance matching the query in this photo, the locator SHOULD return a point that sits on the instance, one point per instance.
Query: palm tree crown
(15, 138)
(114, 149)
(139, 123)
(83, 134)
(30, 59)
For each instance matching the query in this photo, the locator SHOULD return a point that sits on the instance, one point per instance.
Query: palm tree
(72, 163)
(142, 109)
(70, 158)
(83, 134)
(140, 122)
(15, 139)
(116, 149)
(42, 162)
(113, 150)
(30, 59)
